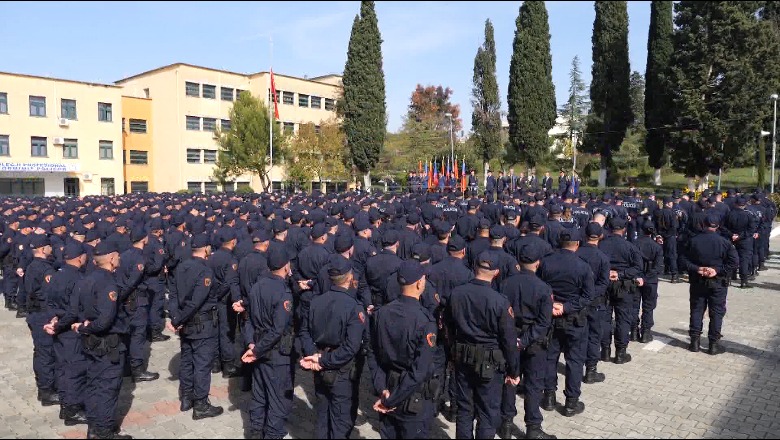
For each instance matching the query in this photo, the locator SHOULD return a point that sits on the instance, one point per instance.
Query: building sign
(39, 167)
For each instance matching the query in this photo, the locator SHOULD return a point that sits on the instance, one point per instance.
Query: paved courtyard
(665, 392)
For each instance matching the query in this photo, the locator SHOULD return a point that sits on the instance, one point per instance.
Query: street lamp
(452, 141)
(774, 141)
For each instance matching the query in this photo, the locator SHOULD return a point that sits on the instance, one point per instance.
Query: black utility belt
(328, 377)
(480, 359)
(35, 305)
(571, 320)
(619, 290)
(107, 345)
(284, 345)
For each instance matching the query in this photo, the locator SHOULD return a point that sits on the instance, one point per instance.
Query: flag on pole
(435, 173)
(429, 173)
(455, 168)
(273, 96)
(420, 167)
(449, 167)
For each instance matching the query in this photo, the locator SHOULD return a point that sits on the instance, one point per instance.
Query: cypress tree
(486, 117)
(658, 101)
(365, 121)
(610, 97)
(531, 97)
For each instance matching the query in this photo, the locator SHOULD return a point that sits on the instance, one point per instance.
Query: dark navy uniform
(226, 289)
(378, 270)
(708, 249)
(35, 279)
(155, 259)
(666, 223)
(485, 352)
(652, 258)
(599, 321)
(740, 223)
(134, 300)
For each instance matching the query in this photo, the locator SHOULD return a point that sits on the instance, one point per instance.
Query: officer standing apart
(709, 259)
(331, 338)
(270, 325)
(404, 343)
(531, 301)
(653, 260)
(571, 280)
(482, 323)
(741, 228)
(193, 312)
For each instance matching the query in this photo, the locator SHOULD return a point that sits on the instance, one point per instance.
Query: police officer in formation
(448, 300)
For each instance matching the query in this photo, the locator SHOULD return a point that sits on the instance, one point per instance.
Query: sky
(429, 43)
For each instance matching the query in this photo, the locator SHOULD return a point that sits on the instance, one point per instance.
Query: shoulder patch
(436, 298)
(287, 306)
(10, 240)
(234, 266)
(372, 252)
(47, 278)
(362, 317)
(161, 251)
(183, 243)
(207, 282)
(517, 266)
(511, 312)
(112, 296)
(431, 339)
(140, 267)
(21, 247)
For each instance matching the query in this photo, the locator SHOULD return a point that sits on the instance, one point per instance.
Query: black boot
(48, 397)
(216, 367)
(141, 375)
(74, 416)
(573, 407)
(715, 348)
(12, 306)
(632, 334)
(695, 346)
(548, 401)
(21, 312)
(605, 353)
(593, 376)
(752, 276)
(675, 279)
(505, 432)
(204, 409)
(158, 336)
(647, 336)
(186, 404)
(745, 284)
(621, 357)
(535, 432)
(762, 267)
(451, 413)
(230, 371)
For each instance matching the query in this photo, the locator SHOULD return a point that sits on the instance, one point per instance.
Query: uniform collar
(480, 282)
(408, 300)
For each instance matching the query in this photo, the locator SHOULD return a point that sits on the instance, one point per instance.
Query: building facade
(137, 144)
(188, 103)
(59, 137)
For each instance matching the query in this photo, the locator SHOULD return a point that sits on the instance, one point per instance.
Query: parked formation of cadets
(449, 299)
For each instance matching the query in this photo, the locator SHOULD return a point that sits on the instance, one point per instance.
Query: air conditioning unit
(59, 141)
(64, 122)
(87, 177)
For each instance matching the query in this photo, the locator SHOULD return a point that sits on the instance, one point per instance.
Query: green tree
(575, 109)
(486, 116)
(531, 97)
(637, 92)
(245, 147)
(719, 71)
(610, 96)
(364, 107)
(426, 123)
(658, 99)
(318, 153)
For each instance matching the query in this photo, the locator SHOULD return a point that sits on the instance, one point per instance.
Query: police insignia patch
(362, 317)
(9, 239)
(207, 282)
(140, 267)
(47, 278)
(436, 297)
(373, 253)
(112, 296)
(161, 251)
(287, 306)
(234, 266)
(511, 312)
(21, 247)
(431, 339)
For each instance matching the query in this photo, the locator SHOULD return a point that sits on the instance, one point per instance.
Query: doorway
(71, 187)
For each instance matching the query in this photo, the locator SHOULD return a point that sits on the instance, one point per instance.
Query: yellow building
(137, 144)
(189, 102)
(59, 137)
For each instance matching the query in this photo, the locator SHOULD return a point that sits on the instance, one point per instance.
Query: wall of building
(84, 127)
(134, 110)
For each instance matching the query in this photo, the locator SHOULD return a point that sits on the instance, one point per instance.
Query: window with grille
(193, 155)
(330, 104)
(209, 124)
(193, 123)
(138, 157)
(137, 126)
(139, 187)
(226, 93)
(316, 102)
(209, 91)
(288, 98)
(194, 186)
(192, 89)
(209, 156)
(210, 186)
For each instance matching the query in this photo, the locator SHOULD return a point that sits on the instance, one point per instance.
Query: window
(211, 186)
(193, 186)
(316, 102)
(278, 96)
(4, 103)
(193, 155)
(22, 187)
(107, 186)
(146, 93)
(226, 93)
(317, 129)
(5, 148)
(288, 98)
(106, 149)
(238, 92)
(193, 123)
(329, 104)
(192, 89)
(70, 149)
(38, 106)
(209, 91)
(289, 127)
(303, 100)
(38, 147)
(138, 157)
(137, 126)
(104, 112)
(225, 124)
(68, 108)
(209, 124)
(209, 156)
(139, 187)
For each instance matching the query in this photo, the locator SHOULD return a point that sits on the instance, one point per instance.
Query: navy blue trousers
(745, 252)
(400, 424)
(72, 365)
(138, 342)
(44, 361)
(572, 342)
(227, 334)
(157, 305)
(10, 282)
(103, 383)
(197, 356)
(272, 398)
(334, 407)
(712, 299)
(624, 318)
(599, 324)
(477, 399)
(648, 294)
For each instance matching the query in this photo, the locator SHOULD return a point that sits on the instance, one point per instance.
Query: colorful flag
(455, 168)
(449, 167)
(273, 96)
(420, 167)
(435, 173)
